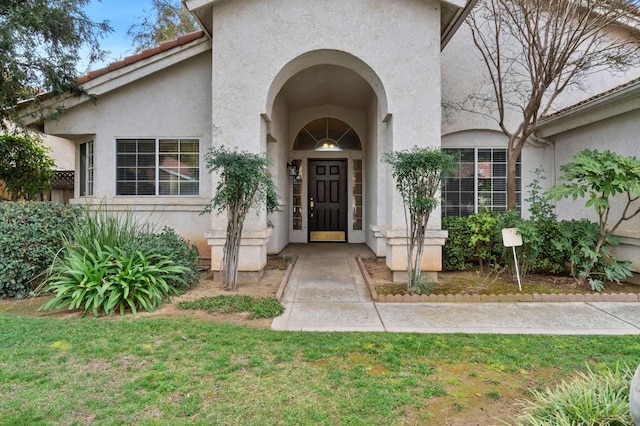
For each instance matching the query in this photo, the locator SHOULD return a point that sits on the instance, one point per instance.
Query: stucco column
(416, 121)
(237, 124)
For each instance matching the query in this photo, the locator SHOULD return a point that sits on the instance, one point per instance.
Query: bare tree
(535, 49)
(166, 20)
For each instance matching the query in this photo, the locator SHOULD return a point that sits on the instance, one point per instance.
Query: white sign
(511, 237)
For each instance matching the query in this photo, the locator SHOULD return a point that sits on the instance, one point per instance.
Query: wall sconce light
(293, 169)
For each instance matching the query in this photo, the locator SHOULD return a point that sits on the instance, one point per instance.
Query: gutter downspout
(552, 146)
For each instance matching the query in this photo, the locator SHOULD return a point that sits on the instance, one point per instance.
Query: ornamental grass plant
(593, 398)
(109, 264)
(103, 279)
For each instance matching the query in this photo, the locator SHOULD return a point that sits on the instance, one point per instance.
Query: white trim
(451, 27)
(476, 177)
(157, 139)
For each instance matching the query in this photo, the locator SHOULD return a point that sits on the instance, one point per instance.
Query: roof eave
(202, 11)
(450, 27)
(118, 77)
(616, 102)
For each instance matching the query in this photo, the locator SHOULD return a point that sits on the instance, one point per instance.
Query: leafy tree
(418, 173)
(534, 50)
(601, 176)
(25, 168)
(166, 20)
(245, 182)
(41, 43)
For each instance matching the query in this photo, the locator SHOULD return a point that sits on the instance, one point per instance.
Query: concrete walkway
(326, 292)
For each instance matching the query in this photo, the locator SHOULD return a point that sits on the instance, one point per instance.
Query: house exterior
(602, 114)
(609, 120)
(324, 88)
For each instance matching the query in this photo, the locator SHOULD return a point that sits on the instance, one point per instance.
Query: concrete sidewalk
(326, 292)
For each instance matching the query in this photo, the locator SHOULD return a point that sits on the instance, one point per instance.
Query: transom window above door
(328, 135)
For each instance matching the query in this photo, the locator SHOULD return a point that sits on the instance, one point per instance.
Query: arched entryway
(325, 129)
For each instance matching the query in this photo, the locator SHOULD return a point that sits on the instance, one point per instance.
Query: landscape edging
(285, 279)
(491, 298)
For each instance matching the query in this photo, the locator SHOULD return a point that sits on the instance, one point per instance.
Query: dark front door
(327, 200)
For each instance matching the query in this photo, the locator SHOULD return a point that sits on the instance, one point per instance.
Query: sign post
(511, 238)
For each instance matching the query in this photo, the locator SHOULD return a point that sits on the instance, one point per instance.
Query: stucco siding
(172, 103)
(618, 134)
(464, 74)
(259, 46)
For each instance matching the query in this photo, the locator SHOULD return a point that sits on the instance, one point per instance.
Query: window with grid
(480, 182)
(157, 167)
(86, 169)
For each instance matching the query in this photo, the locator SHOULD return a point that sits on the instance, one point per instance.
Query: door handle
(311, 206)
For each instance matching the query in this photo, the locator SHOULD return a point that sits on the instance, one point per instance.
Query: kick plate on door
(327, 236)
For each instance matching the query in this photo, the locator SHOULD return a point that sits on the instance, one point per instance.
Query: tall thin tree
(418, 173)
(244, 183)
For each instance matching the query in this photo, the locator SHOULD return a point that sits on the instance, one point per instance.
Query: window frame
(87, 168)
(157, 167)
(477, 205)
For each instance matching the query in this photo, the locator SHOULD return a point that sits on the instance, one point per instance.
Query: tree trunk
(418, 261)
(231, 250)
(410, 249)
(592, 261)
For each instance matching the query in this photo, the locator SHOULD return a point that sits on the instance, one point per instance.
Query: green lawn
(186, 371)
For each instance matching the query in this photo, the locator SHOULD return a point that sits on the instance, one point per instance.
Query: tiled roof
(162, 47)
(592, 98)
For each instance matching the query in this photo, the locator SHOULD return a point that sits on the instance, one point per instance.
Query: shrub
(100, 278)
(171, 245)
(31, 233)
(483, 228)
(424, 286)
(456, 255)
(565, 247)
(126, 232)
(537, 254)
(257, 307)
(543, 229)
(110, 229)
(576, 239)
(601, 176)
(549, 247)
(25, 166)
(593, 398)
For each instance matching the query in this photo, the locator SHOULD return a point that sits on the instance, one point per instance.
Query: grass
(186, 371)
(256, 307)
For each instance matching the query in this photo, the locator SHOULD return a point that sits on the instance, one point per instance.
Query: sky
(120, 14)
